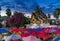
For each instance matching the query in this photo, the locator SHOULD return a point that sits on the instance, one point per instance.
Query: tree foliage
(8, 12)
(48, 15)
(27, 20)
(16, 20)
(0, 8)
(0, 25)
(57, 13)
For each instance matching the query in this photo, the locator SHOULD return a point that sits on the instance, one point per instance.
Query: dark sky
(48, 6)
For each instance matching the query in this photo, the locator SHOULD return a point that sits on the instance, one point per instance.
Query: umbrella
(58, 27)
(13, 37)
(53, 30)
(44, 36)
(39, 29)
(35, 34)
(3, 31)
(46, 30)
(25, 30)
(57, 39)
(31, 31)
(16, 30)
(25, 35)
(30, 38)
(58, 32)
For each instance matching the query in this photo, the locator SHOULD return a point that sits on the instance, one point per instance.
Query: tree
(48, 15)
(27, 20)
(57, 13)
(7, 25)
(8, 12)
(0, 25)
(16, 20)
(0, 11)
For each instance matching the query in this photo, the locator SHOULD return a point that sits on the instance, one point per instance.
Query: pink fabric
(30, 38)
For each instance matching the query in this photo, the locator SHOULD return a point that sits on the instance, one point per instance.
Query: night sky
(28, 6)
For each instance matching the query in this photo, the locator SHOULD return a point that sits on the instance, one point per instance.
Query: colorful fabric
(16, 30)
(30, 38)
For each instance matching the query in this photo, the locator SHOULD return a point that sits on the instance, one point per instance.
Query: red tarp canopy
(16, 30)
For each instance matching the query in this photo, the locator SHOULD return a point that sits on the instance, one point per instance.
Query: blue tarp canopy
(39, 29)
(3, 31)
(57, 39)
(31, 31)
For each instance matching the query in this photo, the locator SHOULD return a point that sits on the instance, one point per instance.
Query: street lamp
(15, 7)
(0, 11)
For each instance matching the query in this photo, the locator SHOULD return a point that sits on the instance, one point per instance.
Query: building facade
(38, 19)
